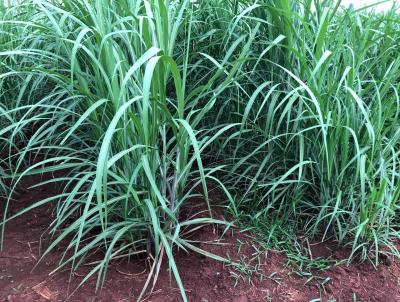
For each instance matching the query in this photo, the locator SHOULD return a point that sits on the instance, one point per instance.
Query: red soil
(205, 280)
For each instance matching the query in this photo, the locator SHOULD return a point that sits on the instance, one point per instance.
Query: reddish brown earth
(205, 280)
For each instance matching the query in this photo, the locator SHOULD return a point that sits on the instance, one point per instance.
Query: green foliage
(319, 141)
(137, 106)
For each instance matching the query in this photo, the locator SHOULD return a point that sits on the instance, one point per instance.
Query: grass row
(290, 108)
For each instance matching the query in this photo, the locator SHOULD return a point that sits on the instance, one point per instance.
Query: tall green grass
(103, 96)
(292, 112)
(324, 143)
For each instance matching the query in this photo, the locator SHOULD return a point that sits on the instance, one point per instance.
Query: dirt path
(261, 277)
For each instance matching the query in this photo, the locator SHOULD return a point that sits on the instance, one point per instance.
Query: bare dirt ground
(265, 278)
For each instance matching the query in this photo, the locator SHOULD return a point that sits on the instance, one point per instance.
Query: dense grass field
(290, 110)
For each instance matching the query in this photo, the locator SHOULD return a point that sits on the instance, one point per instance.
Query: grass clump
(291, 108)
